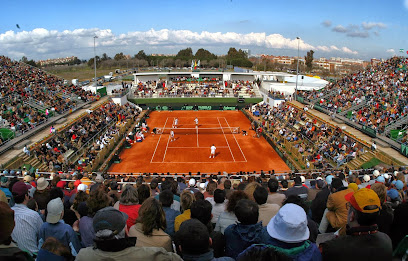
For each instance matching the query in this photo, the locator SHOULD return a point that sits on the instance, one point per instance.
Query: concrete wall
(270, 101)
(121, 101)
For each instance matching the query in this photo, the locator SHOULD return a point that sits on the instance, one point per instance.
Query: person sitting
(150, 226)
(194, 242)
(287, 232)
(362, 241)
(228, 217)
(166, 199)
(111, 242)
(266, 211)
(245, 233)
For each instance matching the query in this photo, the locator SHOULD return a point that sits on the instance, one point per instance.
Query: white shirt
(213, 148)
(175, 121)
(171, 133)
(196, 120)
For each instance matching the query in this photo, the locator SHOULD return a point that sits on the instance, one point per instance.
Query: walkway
(389, 151)
(11, 153)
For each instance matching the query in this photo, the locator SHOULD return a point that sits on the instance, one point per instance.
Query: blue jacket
(171, 215)
(61, 231)
(209, 256)
(238, 237)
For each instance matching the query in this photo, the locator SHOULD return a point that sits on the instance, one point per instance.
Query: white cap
(376, 173)
(303, 179)
(366, 178)
(192, 182)
(54, 209)
(82, 187)
(395, 173)
(386, 176)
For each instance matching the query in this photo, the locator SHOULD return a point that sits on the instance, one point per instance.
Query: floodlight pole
(96, 84)
(297, 70)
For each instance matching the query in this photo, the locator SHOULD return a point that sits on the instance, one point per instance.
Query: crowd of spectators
(316, 141)
(193, 88)
(98, 126)
(21, 84)
(85, 216)
(382, 88)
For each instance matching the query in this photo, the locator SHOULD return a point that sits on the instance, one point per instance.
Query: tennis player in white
(196, 122)
(213, 148)
(175, 123)
(172, 135)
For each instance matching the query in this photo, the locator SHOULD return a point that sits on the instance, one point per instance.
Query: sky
(358, 29)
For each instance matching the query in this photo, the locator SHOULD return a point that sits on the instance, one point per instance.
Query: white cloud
(340, 29)
(392, 51)
(371, 25)
(41, 43)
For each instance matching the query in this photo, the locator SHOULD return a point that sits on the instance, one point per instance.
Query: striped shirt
(27, 229)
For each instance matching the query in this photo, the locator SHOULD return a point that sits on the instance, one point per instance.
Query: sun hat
(399, 184)
(54, 210)
(380, 179)
(366, 178)
(109, 218)
(376, 173)
(289, 224)
(363, 198)
(42, 184)
(329, 179)
(393, 194)
(27, 178)
(82, 187)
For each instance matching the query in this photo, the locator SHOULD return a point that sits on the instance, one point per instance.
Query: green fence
(404, 150)
(369, 131)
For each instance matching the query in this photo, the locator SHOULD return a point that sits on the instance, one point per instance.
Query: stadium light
(96, 84)
(297, 70)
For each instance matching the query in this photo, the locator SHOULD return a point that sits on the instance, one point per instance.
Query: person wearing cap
(288, 233)
(111, 242)
(336, 205)
(8, 249)
(55, 227)
(366, 181)
(274, 197)
(317, 186)
(298, 189)
(27, 180)
(194, 242)
(393, 198)
(247, 231)
(362, 241)
(42, 193)
(192, 185)
(28, 222)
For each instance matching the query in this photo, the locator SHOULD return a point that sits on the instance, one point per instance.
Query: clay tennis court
(190, 150)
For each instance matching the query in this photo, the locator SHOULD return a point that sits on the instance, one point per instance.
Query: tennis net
(177, 131)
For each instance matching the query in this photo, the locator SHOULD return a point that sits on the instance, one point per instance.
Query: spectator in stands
(263, 254)
(227, 188)
(228, 216)
(166, 199)
(247, 232)
(8, 249)
(319, 203)
(143, 193)
(266, 210)
(316, 188)
(386, 214)
(4, 187)
(274, 197)
(399, 227)
(192, 185)
(194, 242)
(363, 241)
(55, 227)
(219, 206)
(3, 197)
(97, 200)
(336, 205)
(187, 198)
(201, 210)
(129, 204)
(288, 233)
(285, 187)
(250, 188)
(42, 193)
(168, 184)
(298, 189)
(28, 222)
(150, 226)
(209, 191)
(52, 249)
(111, 241)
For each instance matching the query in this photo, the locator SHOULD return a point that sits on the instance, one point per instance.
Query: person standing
(196, 122)
(213, 148)
(172, 135)
(175, 123)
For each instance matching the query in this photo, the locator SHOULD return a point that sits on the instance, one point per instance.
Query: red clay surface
(190, 152)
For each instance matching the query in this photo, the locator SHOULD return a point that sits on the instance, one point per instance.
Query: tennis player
(172, 135)
(175, 123)
(213, 148)
(196, 122)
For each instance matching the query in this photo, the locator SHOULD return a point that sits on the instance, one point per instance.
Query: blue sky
(355, 29)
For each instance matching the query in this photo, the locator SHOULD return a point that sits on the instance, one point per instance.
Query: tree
(105, 57)
(24, 59)
(185, 54)
(141, 55)
(119, 56)
(203, 54)
(91, 62)
(309, 60)
(32, 63)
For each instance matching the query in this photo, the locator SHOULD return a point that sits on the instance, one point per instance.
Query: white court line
(198, 145)
(198, 162)
(226, 139)
(151, 160)
(167, 146)
(236, 141)
(221, 147)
